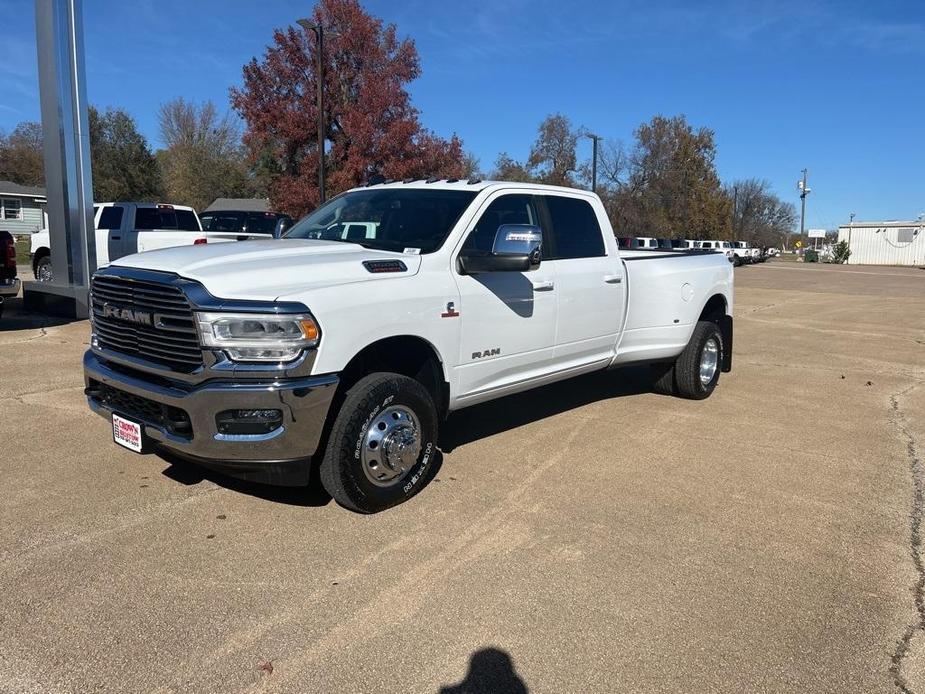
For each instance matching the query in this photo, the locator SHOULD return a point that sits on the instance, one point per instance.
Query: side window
(111, 218)
(575, 231)
(149, 218)
(508, 209)
(206, 221)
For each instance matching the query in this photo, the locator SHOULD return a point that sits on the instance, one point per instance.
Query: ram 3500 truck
(259, 358)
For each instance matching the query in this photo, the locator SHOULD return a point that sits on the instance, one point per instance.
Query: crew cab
(9, 282)
(125, 228)
(264, 358)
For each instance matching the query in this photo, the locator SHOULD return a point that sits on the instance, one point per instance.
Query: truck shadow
(470, 424)
(504, 414)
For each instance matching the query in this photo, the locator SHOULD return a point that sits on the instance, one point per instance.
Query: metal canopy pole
(68, 179)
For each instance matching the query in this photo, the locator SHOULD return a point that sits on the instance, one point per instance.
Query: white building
(885, 243)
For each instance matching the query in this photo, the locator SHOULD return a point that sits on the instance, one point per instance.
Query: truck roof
(143, 204)
(470, 184)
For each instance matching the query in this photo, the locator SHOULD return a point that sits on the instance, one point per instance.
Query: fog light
(244, 422)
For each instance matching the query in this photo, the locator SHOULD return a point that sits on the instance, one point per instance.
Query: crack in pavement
(903, 646)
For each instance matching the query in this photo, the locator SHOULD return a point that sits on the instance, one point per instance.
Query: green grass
(22, 250)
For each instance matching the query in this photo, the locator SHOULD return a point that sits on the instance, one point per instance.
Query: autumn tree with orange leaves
(371, 125)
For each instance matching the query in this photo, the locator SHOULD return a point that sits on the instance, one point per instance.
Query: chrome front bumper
(304, 403)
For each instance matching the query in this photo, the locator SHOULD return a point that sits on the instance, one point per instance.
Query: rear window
(165, 218)
(575, 231)
(223, 221)
(261, 222)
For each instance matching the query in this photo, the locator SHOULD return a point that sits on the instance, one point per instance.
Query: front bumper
(10, 288)
(277, 457)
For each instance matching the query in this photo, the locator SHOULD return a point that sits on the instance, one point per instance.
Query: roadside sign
(815, 233)
(799, 244)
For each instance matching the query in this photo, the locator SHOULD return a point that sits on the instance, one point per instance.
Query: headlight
(258, 336)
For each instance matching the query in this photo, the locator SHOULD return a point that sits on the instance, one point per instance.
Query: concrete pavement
(589, 536)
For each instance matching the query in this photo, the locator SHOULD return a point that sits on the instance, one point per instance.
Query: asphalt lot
(589, 536)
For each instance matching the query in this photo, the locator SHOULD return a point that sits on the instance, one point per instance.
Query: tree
(672, 188)
(22, 160)
(552, 156)
(203, 158)
(759, 216)
(371, 125)
(123, 166)
(552, 159)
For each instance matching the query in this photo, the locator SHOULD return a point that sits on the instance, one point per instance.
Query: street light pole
(804, 191)
(594, 140)
(319, 78)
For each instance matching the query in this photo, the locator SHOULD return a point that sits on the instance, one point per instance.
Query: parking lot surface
(588, 536)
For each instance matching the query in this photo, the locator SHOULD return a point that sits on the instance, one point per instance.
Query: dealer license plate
(126, 433)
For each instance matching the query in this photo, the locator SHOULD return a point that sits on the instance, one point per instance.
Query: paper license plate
(126, 433)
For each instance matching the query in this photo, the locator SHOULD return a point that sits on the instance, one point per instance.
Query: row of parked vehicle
(124, 228)
(736, 252)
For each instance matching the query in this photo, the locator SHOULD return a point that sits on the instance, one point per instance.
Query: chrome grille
(171, 340)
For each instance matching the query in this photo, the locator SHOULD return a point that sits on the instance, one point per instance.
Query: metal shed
(885, 243)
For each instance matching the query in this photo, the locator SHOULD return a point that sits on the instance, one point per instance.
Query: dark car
(244, 222)
(9, 283)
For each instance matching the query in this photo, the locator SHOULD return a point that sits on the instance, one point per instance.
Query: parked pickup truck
(124, 228)
(261, 358)
(9, 282)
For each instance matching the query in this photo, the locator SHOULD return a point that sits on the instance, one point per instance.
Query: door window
(508, 209)
(111, 218)
(575, 231)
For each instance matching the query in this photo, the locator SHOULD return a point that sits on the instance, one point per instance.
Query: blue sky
(837, 87)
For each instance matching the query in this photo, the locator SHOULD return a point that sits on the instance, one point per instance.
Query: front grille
(173, 419)
(171, 339)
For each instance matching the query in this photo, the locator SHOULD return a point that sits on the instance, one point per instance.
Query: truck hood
(266, 270)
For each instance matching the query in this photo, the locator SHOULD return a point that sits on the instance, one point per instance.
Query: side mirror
(282, 225)
(516, 248)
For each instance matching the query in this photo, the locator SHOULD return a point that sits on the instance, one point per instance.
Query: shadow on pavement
(15, 317)
(188, 473)
(491, 671)
(496, 416)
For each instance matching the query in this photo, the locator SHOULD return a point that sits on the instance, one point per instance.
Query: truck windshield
(392, 219)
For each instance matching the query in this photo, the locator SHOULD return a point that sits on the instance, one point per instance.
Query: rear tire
(382, 443)
(43, 271)
(697, 369)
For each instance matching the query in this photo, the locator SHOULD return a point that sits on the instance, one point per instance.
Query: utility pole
(594, 140)
(804, 191)
(319, 78)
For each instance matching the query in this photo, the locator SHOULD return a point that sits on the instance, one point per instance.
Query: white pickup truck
(261, 359)
(125, 228)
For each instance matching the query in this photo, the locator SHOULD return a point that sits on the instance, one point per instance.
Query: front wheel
(697, 369)
(382, 443)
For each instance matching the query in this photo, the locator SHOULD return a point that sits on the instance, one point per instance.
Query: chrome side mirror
(516, 248)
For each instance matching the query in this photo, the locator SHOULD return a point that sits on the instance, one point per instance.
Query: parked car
(683, 244)
(9, 282)
(351, 351)
(246, 222)
(124, 228)
(742, 253)
(724, 247)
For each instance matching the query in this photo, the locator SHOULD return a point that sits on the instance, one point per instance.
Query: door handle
(116, 238)
(613, 279)
(546, 286)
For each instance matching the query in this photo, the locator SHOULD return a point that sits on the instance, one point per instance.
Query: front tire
(697, 369)
(382, 444)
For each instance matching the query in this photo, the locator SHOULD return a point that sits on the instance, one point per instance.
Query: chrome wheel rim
(44, 272)
(391, 445)
(709, 360)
